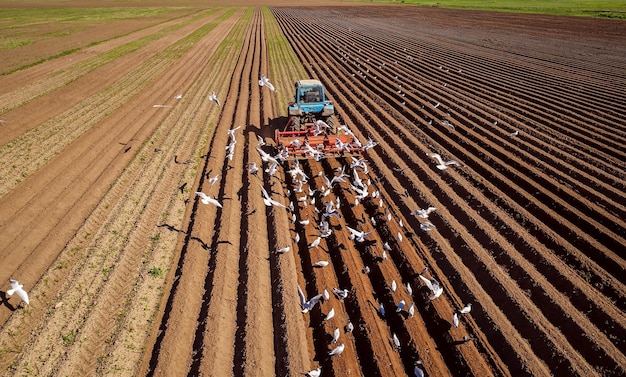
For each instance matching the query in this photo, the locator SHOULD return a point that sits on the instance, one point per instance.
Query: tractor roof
(309, 82)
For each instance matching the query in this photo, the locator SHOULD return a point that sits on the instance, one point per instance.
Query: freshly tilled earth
(130, 274)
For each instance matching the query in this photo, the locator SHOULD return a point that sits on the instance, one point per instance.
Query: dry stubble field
(129, 274)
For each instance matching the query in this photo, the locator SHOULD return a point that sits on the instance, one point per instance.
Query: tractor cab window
(311, 95)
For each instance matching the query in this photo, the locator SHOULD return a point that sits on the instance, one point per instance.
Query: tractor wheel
(331, 124)
(295, 123)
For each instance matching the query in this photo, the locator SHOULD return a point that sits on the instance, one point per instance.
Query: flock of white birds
(361, 190)
(353, 182)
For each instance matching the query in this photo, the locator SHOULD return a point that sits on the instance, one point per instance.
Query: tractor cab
(310, 104)
(310, 130)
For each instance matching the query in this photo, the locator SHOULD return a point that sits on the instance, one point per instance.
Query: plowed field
(130, 274)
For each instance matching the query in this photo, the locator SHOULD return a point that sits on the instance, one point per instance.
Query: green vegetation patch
(601, 8)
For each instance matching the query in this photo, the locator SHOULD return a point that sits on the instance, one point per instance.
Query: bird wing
(302, 297)
(355, 232)
(202, 195)
(437, 293)
(215, 202)
(436, 157)
(427, 282)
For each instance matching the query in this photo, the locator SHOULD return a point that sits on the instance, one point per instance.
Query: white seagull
(321, 263)
(330, 314)
(466, 309)
(433, 285)
(212, 180)
(349, 327)
(283, 250)
(315, 243)
(315, 372)
(19, 289)
(423, 213)
(307, 304)
(412, 309)
(252, 168)
(357, 235)
(336, 335)
(427, 226)
(455, 320)
(341, 293)
(269, 201)
(441, 165)
(205, 199)
(337, 350)
(264, 81)
(213, 97)
(396, 341)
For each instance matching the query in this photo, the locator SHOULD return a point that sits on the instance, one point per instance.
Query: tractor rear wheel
(331, 124)
(296, 123)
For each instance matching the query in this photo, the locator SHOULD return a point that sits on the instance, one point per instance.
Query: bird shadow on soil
(171, 228)
(5, 301)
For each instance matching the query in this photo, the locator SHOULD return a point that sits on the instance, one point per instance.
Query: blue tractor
(310, 105)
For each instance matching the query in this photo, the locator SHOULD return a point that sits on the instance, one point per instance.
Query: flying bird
(253, 168)
(213, 97)
(180, 96)
(205, 199)
(427, 226)
(261, 141)
(269, 202)
(340, 293)
(212, 180)
(264, 81)
(19, 289)
(357, 235)
(423, 213)
(307, 304)
(441, 165)
(434, 286)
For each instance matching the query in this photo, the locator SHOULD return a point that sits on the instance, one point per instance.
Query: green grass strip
(585, 8)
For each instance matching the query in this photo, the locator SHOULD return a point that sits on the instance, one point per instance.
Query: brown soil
(130, 274)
